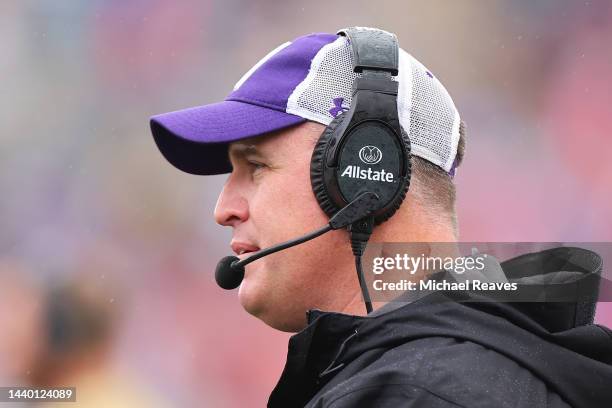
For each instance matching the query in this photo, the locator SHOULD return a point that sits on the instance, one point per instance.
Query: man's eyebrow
(242, 150)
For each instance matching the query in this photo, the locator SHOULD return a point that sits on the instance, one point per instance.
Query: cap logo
(337, 108)
(370, 154)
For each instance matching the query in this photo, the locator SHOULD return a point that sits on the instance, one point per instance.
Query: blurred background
(107, 252)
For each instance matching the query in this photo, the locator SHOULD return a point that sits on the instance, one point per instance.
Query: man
(432, 352)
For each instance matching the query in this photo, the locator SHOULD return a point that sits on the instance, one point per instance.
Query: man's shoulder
(437, 372)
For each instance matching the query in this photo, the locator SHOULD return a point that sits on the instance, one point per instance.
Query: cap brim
(196, 140)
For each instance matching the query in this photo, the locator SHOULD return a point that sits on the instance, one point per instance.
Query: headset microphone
(230, 270)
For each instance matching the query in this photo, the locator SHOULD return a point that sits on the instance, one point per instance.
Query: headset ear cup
(317, 168)
(317, 175)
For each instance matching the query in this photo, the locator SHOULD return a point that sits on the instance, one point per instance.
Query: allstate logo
(370, 154)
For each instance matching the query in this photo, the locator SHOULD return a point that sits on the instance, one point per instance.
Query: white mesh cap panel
(425, 109)
(330, 77)
(434, 121)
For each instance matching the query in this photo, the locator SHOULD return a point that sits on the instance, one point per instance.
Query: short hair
(434, 187)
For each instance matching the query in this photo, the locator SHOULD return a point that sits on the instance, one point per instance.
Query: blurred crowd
(107, 252)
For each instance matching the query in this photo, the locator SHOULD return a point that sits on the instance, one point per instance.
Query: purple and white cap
(309, 78)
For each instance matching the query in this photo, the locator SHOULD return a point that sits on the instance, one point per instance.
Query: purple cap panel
(273, 82)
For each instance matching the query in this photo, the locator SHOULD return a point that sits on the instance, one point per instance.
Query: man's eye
(255, 165)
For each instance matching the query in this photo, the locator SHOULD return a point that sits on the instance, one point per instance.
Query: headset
(360, 166)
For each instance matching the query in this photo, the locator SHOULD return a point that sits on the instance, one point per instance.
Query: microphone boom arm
(282, 246)
(360, 207)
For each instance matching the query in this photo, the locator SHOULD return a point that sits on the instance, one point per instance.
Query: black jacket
(440, 352)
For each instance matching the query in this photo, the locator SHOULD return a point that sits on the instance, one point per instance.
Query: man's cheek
(275, 221)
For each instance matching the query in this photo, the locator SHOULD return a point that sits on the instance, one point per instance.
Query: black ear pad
(322, 190)
(317, 177)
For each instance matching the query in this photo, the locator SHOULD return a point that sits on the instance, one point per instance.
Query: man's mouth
(242, 248)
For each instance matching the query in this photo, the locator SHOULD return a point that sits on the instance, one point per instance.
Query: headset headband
(372, 49)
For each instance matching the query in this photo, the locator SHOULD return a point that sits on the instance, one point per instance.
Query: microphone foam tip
(228, 276)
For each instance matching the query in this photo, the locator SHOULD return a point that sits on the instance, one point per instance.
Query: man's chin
(261, 305)
(251, 299)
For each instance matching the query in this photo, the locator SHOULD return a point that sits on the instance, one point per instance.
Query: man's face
(268, 199)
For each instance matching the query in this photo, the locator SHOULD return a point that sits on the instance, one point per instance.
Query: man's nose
(232, 207)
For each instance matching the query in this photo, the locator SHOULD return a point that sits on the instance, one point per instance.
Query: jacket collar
(312, 355)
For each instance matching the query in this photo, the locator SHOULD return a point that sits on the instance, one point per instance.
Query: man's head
(264, 135)
(268, 199)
